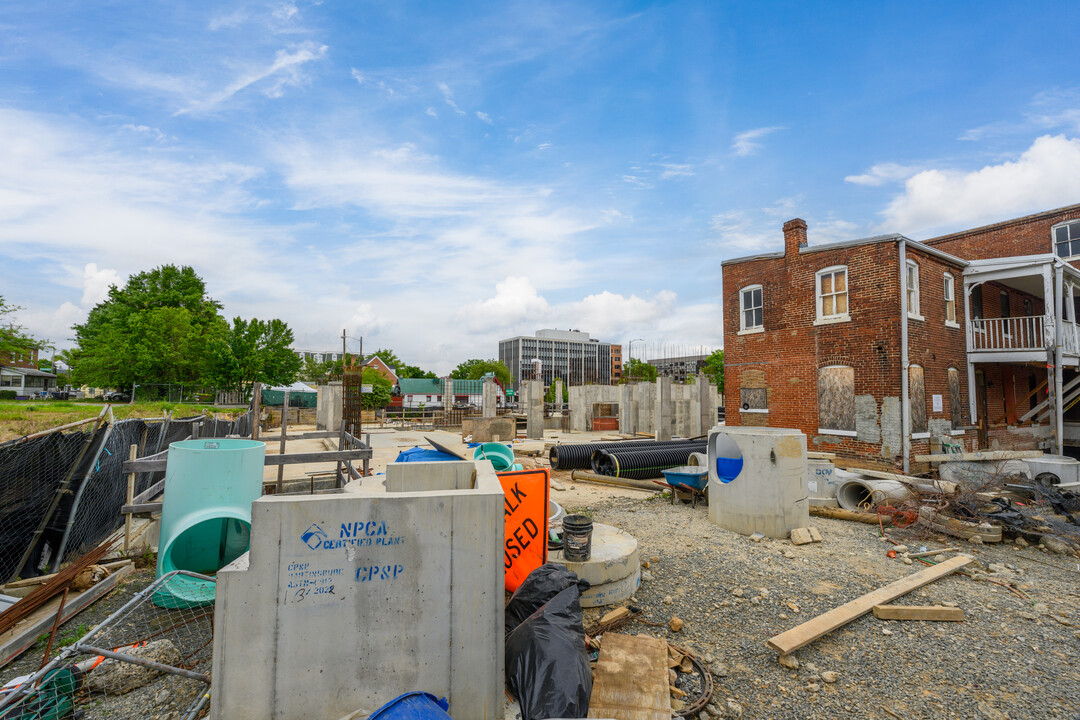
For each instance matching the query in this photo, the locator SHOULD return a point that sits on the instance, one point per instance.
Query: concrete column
(489, 398)
(448, 392)
(559, 395)
(706, 405)
(662, 408)
(626, 410)
(534, 428)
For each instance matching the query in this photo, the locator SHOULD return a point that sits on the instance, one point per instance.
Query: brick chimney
(794, 236)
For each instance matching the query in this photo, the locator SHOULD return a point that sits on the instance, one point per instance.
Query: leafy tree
(158, 328)
(381, 388)
(549, 396)
(635, 370)
(316, 372)
(475, 369)
(254, 351)
(390, 358)
(412, 371)
(714, 369)
(13, 339)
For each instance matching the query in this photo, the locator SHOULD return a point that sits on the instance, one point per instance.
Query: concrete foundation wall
(346, 601)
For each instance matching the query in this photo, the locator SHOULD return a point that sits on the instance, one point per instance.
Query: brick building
(19, 374)
(871, 347)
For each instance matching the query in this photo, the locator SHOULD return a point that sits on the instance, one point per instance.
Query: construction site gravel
(1009, 658)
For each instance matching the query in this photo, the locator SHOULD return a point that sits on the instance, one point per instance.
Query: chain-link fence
(61, 493)
(149, 658)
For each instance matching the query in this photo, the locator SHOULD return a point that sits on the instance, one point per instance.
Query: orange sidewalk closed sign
(525, 509)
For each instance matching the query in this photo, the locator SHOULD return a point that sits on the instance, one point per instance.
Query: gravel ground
(1009, 658)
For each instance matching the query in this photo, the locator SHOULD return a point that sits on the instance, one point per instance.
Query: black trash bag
(547, 662)
(542, 584)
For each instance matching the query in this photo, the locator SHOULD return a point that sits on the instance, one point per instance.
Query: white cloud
(1045, 175)
(483, 117)
(448, 96)
(739, 232)
(285, 11)
(431, 111)
(515, 303)
(145, 130)
(1048, 110)
(230, 20)
(675, 170)
(607, 314)
(543, 146)
(283, 72)
(749, 141)
(96, 283)
(882, 173)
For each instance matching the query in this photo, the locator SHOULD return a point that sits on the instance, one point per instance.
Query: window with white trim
(950, 300)
(832, 293)
(912, 294)
(836, 400)
(1067, 239)
(751, 308)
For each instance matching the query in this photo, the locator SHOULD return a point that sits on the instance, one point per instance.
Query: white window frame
(1053, 237)
(950, 299)
(823, 319)
(743, 329)
(910, 291)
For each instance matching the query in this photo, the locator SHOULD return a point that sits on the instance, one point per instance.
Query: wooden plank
(842, 514)
(795, 638)
(987, 455)
(149, 493)
(918, 612)
(631, 679)
(820, 456)
(22, 637)
(156, 464)
(958, 528)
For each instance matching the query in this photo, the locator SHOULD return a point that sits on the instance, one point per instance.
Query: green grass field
(25, 417)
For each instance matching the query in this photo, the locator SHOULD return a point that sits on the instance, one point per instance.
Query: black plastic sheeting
(31, 472)
(547, 661)
(578, 456)
(542, 584)
(643, 464)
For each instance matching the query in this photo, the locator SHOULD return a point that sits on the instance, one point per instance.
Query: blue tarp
(419, 454)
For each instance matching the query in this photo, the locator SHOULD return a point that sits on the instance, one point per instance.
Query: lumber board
(987, 455)
(155, 463)
(22, 637)
(795, 638)
(918, 612)
(631, 679)
(958, 528)
(842, 514)
(820, 456)
(149, 493)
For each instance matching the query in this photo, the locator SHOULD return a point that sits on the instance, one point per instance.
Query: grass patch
(25, 417)
(63, 639)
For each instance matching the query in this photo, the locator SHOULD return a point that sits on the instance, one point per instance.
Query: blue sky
(434, 176)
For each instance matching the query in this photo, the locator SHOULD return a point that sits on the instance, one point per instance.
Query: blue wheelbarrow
(687, 482)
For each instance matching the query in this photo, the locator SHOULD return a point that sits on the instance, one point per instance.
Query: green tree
(549, 396)
(635, 370)
(379, 397)
(253, 351)
(475, 369)
(714, 369)
(412, 371)
(389, 357)
(158, 328)
(316, 372)
(13, 338)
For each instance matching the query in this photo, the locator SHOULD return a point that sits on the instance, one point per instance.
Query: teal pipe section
(206, 514)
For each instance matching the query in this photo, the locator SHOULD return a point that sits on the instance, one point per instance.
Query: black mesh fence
(61, 493)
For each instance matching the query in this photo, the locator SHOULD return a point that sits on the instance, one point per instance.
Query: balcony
(1006, 334)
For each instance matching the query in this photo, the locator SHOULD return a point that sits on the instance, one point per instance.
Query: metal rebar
(143, 661)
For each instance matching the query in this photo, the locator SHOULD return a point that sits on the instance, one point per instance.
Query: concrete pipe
(698, 459)
(860, 494)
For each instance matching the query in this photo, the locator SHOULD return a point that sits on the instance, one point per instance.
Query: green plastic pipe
(206, 513)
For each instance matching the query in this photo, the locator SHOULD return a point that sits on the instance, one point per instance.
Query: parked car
(117, 396)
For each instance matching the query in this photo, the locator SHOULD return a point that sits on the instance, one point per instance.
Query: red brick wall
(1029, 235)
(27, 359)
(792, 349)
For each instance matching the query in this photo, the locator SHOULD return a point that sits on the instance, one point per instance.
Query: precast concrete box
(758, 480)
(346, 601)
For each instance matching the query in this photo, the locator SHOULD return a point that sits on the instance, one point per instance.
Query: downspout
(905, 409)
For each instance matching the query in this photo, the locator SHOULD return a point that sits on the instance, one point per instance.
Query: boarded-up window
(836, 398)
(956, 409)
(753, 399)
(917, 399)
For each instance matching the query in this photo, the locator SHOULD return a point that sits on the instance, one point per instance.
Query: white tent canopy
(296, 387)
